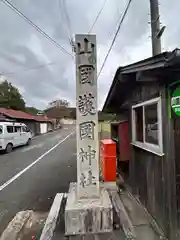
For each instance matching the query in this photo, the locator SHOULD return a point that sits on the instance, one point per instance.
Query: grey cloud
(44, 82)
(23, 47)
(46, 14)
(135, 24)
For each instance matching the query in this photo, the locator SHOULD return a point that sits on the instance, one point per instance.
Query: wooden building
(147, 93)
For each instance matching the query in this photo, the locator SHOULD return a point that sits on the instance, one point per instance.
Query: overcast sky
(22, 47)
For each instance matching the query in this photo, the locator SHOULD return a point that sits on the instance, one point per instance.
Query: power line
(64, 19)
(115, 36)
(67, 17)
(42, 32)
(28, 69)
(99, 13)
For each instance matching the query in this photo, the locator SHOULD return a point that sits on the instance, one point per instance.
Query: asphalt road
(31, 176)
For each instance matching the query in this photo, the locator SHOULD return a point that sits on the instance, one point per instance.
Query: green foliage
(104, 116)
(32, 110)
(10, 97)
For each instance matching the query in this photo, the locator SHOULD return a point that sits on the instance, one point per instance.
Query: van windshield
(1, 129)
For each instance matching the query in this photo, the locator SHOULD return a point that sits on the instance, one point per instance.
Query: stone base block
(110, 186)
(83, 216)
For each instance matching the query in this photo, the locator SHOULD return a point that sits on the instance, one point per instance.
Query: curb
(50, 225)
(125, 221)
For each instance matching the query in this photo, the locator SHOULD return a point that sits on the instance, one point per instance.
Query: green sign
(175, 101)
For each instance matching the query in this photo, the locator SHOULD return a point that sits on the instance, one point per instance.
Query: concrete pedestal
(84, 216)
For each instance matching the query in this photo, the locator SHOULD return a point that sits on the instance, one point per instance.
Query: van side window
(10, 129)
(17, 129)
(24, 129)
(1, 129)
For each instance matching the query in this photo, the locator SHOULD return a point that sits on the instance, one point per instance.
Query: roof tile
(23, 115)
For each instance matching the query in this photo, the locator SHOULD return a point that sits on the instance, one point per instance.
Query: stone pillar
(88, 207)
(87, 117)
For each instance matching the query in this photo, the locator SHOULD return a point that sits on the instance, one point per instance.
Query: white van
(13, 134)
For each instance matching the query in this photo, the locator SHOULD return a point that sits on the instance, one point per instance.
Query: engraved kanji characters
(82, 180)
(86, 74)
(92, 58)
(86, 130)
(86, 104)
(87, 155)
(90, 177)
(86, 181)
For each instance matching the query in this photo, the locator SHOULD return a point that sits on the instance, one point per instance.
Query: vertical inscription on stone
(88, 155)
(86, 74)
(86, 130)
(87, 118)
(86, 104)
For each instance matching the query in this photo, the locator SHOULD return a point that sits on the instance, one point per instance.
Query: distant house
(45, 124)
(37, 124)
(61, 114)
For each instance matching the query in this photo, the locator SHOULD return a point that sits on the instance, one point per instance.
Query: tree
(10, 97)
(32, 110)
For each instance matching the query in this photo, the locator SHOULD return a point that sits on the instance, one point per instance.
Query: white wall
(43, 128)
(68, 121)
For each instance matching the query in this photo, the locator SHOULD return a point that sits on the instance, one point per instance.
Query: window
(24, 129)
(1, 129)
(139, 123)
(151, 124)
(147, 126)
(10, 129)
(17, 129)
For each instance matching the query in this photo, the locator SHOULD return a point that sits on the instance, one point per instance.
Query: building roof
(16, 114)
(127, 77)
(42, 118)
(2, 117)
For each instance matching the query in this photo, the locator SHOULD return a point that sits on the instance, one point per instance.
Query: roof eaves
(174, 58)
(154, 62)
(162, 60)
(113, 84)
(157, 61)
(144, 67)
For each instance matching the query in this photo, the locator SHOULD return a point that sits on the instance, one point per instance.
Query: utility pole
(155, 27)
